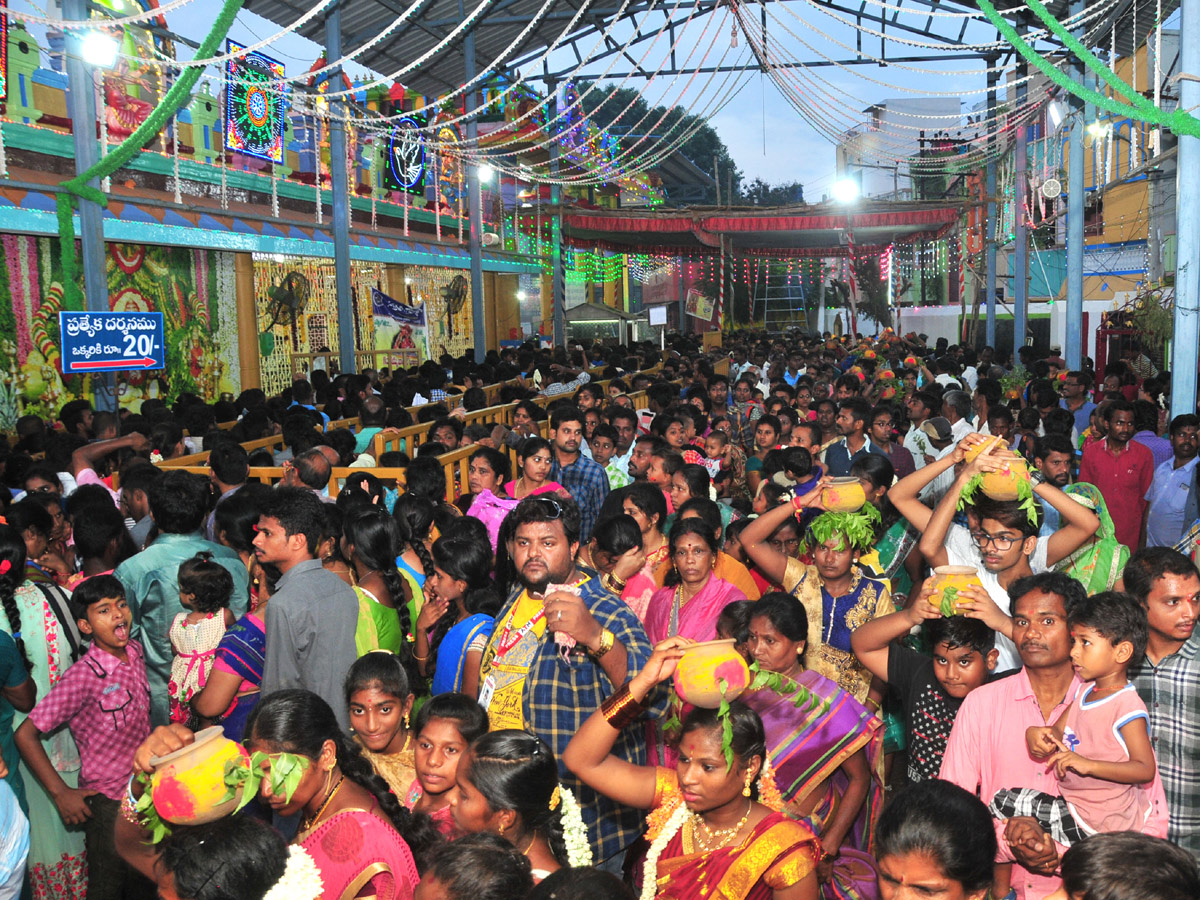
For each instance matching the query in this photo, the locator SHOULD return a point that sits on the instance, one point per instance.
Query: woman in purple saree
(819, 740)
(693, 596)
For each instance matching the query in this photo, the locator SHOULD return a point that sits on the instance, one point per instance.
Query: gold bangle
(419, 658)
(129, 811)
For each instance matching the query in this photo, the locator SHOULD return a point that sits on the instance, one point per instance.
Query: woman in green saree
(1099, 562)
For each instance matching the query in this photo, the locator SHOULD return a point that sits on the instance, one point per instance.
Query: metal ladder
(781, 305)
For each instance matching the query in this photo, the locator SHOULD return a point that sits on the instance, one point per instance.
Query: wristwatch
(607, 639)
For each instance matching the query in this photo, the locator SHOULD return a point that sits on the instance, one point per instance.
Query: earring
(501, 828)
(746, 787)
(406, 721)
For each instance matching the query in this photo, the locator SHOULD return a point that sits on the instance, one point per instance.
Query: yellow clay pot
(843, 495)
(946, 583)
(188, 786)
(700, 667)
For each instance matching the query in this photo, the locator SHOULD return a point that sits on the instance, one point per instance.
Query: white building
(876, 153)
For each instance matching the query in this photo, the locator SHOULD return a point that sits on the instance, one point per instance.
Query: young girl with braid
(369, 540)
(414, 515)
(17, 692)
(363, 841)
(456, 621)
(379, 701)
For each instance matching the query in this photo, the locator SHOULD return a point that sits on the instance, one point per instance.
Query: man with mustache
(559, 647)
(583, 478)
(1168, 680)
(986, 750)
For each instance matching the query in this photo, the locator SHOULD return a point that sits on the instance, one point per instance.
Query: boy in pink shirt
(1099, 748)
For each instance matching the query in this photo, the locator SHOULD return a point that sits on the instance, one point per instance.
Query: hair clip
(555, 797)
(5, 565)
(16, 635)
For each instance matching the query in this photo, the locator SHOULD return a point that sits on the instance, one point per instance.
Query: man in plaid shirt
(562, 644)
(1168, 680)
(584, 480)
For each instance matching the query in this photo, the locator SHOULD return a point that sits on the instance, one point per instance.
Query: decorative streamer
(274, 193)
(175, 162)
(1133, 129)
(1180, 121)
(78, 187)
(405, 193)
(374, 176)
(317, 163)
(102, 107)
(460, 203)
(3, 153)
(1156, 135)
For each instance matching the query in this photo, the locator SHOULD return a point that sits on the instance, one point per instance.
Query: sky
(766, 135)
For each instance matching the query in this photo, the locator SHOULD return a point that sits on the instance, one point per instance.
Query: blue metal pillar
(1020, 267)
(474, 201)
(81, 100)
(339, 183)
(989, 226)
(1073, 349)
(1187, 217)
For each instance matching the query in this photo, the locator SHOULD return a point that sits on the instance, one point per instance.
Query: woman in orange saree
(709, 834)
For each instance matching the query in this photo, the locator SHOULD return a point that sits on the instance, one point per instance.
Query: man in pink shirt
(1122, 469)
(986, 750)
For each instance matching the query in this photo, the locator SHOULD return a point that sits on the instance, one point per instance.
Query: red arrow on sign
(142, 363)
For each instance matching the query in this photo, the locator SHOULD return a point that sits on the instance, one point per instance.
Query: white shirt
(1168, 496)
(961, 550)
(960, 429)
(933, 492)
(918, 445)
(971, 376)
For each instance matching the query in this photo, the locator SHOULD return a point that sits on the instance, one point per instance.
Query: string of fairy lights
(710, 55)
(827, 96)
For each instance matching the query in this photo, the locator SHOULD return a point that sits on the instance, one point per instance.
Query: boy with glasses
(1075, 400)
(1001, 540)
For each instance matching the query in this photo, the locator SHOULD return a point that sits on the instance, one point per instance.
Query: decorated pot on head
(843, 495)
(1009, 483)
(912, 362)
(188, 786)
(947, 582)
(710, 672)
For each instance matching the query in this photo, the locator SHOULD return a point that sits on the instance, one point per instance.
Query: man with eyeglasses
(1174, 486)
(561, 646)
(1075, 400)
(1001, 541)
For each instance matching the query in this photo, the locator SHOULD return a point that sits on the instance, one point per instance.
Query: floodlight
(846, 190)
(99, 49)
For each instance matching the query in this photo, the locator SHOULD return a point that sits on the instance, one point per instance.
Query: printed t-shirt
(508, 669)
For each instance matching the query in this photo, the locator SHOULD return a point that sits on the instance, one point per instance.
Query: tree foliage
(759, 193)
(603, 107)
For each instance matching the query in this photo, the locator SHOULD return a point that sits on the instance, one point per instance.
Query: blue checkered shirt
(587, 484)
(562, 691)
(1171, 692)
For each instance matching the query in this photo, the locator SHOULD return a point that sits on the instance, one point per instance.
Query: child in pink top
(1100, 747)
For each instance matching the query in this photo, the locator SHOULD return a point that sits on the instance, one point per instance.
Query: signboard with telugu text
(111, 342)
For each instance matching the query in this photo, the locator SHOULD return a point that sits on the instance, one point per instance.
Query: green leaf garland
(856, 527)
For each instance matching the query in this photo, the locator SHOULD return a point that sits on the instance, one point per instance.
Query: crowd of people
(454, 690)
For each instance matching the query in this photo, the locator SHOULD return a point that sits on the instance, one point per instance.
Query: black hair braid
(13, 613)
(552, 828)
(440, 629)
(417, 829)
(395, 584)
(419, 548)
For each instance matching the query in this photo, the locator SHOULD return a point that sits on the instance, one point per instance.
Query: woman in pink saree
(693, 596)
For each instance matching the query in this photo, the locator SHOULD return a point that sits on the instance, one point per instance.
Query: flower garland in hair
(579, 849)
(301, 879)
(856, 527)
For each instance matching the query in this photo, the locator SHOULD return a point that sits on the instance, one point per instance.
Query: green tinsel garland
(75, 188)
(1141, 110)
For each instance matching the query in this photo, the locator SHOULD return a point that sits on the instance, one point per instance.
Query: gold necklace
(308, 824)
(708, 840)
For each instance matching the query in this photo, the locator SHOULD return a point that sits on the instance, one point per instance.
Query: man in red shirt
(1122, 469)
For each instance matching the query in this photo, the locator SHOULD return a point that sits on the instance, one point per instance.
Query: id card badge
(486, 691)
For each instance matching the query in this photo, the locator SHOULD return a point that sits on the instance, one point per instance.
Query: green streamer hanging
(1140, 109)
(77, 188)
